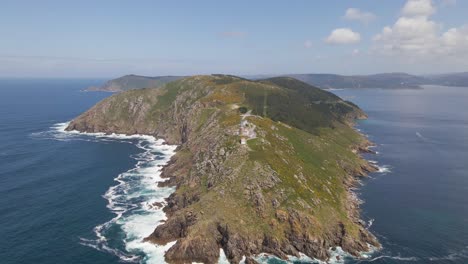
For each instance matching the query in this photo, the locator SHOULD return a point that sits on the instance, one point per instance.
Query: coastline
(381, 193)
(147, 214)
(312, 210)
(337, 254)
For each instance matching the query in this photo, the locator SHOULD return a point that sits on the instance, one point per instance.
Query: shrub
(243, 109)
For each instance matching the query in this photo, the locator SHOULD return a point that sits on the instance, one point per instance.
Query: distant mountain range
(384, 80)
(451, 79)
(325, 81)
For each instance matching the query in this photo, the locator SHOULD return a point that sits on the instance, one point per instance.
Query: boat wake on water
(425, 139)
(136, 199)
(454, 256)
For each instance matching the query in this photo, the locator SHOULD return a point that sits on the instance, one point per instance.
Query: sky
(103, 39)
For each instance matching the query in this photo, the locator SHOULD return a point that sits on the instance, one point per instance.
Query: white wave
(383, 169)
(450, 257)
(223, 259)
(425, 139)
(420, 136)
(368, 254)
(392, 257)
(380, 168)
(133, 199)
(337, 256)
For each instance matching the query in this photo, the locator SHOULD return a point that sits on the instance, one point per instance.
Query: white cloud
(343, 36)
(359, 15)
(418, 8)
(415, 35)
(455, 41)
(308, 44)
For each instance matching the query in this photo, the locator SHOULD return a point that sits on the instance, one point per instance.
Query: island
(265, 166)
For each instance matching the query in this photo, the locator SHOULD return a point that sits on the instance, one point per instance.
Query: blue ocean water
(420, 207)
(69, 197)
(59, 202)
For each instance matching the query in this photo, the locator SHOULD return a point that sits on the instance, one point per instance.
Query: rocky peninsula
(277, 180)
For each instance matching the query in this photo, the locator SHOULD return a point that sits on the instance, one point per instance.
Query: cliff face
(285, 191)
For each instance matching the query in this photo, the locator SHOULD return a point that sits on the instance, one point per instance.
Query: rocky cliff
(286, 191)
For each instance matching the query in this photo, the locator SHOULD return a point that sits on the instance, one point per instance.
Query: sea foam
(383, 169)
(133, 199)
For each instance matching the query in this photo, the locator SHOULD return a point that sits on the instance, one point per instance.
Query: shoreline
(337, 254)
(149, 212)
(212, 174)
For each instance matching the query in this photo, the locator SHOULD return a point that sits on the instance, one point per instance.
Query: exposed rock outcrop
(287, 191)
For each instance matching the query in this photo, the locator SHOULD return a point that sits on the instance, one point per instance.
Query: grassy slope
(304, 138)
(309, 162)
(131, 82)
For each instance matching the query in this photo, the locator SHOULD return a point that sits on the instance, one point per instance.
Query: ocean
(75, 198)
(419, 208)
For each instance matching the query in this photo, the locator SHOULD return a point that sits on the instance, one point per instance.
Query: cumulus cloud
(418, 8)
(415, 34)
(343, 36)
(455, 41)
(359, 15)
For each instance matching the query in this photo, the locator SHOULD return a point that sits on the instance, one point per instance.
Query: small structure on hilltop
(246, 129)
(243, 141)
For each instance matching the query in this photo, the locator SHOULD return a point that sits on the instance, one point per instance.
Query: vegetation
(131, 82)
(286, 191)
(243, 109)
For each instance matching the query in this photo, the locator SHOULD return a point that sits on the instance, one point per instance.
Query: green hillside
(131, 82)
(287, 190)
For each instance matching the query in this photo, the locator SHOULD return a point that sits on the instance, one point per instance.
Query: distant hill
(130, 82)
(384, 80)
(325, 81)
(450, 79)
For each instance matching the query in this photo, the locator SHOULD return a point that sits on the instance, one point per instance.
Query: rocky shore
(285, 192)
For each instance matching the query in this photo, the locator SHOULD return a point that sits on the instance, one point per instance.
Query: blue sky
(112, 38)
